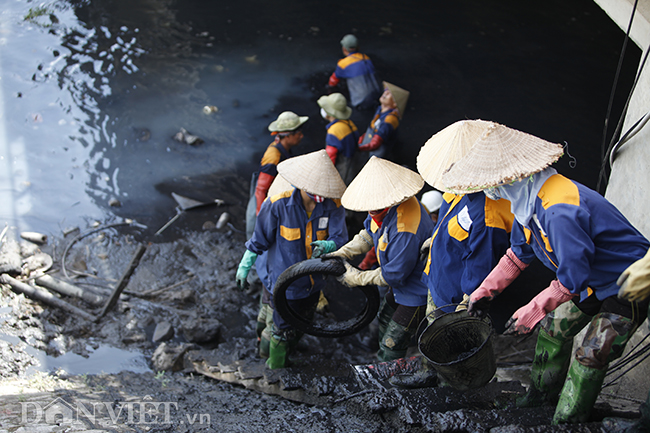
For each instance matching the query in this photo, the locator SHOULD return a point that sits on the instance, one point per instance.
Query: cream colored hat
(313, 173)
(279, 185)
(401, 96)
(381, 184)
(335, 105)
(446, 147)
(501, 156)
(287, 121)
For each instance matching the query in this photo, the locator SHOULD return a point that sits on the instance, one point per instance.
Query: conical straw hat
(313, 173)
(501, 156)
(446, 147)
(279, 185)
(401, 96)
(381, 184)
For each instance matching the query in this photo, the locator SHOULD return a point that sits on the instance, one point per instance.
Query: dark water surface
(91, 92)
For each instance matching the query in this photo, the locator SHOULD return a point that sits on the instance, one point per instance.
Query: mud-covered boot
(395, 342)
(424, 377)
(579, 394)
(265, 342)
(264, 318)
(549, 369)
(278, 352)
(384, 316)
(604, 341)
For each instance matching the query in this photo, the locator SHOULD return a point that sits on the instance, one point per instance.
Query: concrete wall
(629, 184)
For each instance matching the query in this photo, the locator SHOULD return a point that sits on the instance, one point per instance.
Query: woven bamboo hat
(381, 184)
(313, 173)
(401, 96)
(279, 185)
(287, 121)
(446, 147)
(502, 155)
(335, 105)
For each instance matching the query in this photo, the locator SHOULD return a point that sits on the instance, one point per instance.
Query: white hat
(446, 147)
(335, 105)
(287, 121)
(500, 156)
(313, 173)
(401, 96)
(432, 200)
(381, 184)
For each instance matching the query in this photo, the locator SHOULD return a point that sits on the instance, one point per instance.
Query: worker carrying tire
(396, 225)
(286, 227)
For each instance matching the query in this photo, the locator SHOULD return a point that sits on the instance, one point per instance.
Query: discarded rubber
(333, 267)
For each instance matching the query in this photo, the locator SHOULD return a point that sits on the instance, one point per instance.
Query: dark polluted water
(92, 92)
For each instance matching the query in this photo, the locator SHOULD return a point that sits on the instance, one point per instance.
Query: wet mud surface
(198, 368)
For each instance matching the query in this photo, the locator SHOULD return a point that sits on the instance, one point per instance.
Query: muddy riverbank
(187, 360)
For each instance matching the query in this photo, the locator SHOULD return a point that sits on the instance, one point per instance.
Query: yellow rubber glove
(635, 280)
(354, 277)
(361, 243)
(463, 304)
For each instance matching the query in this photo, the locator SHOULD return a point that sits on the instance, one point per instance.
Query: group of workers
(503, 206)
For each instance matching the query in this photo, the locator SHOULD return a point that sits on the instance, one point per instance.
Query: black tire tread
(333, 267)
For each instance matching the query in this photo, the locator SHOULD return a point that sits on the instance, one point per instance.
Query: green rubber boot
(395, 342)
(278, 352)
(265, 343)
(384, 316)
(549, 369)
(579, 394)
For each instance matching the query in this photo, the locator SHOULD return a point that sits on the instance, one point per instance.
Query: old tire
(333, 267)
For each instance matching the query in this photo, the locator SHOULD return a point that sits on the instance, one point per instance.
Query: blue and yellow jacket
(344, 136)
(359, 73)
(385, 125)
(284, 232)
(397, 243)
(471, 236)
(581, 236)
(274, 154)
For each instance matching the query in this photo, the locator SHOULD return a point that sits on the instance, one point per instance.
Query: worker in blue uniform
(342, 134)
(471, 235)
(575, 232)
(287, 133)
(286, 226)
(358, 71)
(381, 136)
(396, 225)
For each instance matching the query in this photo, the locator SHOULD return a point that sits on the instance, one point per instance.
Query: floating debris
(141, 134)
(37, 238)
(208, 225)
(185, 137)
(252, 59)
(114, 202)
(209, 109)
(223, 220)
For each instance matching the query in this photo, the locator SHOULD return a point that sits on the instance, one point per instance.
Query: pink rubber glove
(503, 274)
(525, 318)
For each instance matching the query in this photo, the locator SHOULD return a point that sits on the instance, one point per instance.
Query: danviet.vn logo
(145, 412)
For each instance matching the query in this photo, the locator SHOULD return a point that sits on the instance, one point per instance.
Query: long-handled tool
(185, 203)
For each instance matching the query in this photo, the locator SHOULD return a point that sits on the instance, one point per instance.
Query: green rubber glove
(244, 268)
(322, 247)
